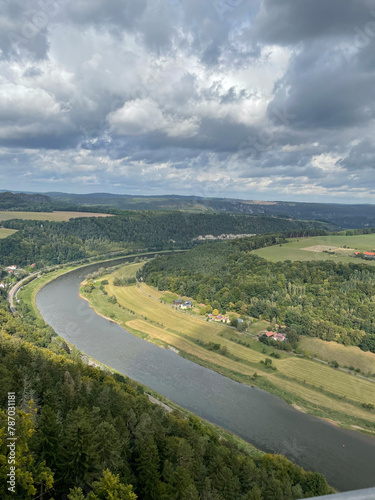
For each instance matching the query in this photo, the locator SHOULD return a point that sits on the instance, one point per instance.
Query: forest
(60, 242)
(324, 299)
(84, 433)
(23, 201)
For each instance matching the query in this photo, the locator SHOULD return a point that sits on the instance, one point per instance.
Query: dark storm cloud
(362, 156)
(322, 90)
(293, 21)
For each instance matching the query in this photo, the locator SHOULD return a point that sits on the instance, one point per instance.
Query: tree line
(46, 242)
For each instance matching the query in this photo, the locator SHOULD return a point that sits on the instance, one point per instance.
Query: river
(346, 458)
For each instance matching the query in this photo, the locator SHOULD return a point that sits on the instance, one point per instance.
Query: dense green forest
(332, 301)
(59, 242)
(85, 433)
(23, 201)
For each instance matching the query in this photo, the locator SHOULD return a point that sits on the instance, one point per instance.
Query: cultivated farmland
(317, 388)
(346, 356)
(317, 248)
(51, 216)
(4, 232)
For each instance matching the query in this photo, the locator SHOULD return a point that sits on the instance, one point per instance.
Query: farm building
(366, 254)
(186, 305)
(219, 317)
(268, 334)
(274, 336)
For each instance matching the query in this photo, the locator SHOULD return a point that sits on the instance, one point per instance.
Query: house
(186, 305)
(366, 254)
(279, 336)
(220, 317)
(177, 302)
(268, 334)
(11, 268)
(2, 285)
(240, 320)
(33, 265)
(274, 336)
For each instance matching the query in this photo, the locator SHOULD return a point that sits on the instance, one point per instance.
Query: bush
(369, 406)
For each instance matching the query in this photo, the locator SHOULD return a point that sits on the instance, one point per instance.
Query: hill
(23, 201)
(86, 433)
(60, 242)
(343, 215)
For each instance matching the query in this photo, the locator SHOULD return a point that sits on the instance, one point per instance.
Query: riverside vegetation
(313, 387)
(66, 410)
(83, 433)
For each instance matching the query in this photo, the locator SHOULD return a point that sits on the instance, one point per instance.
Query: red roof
(269, 334)
(370, 254)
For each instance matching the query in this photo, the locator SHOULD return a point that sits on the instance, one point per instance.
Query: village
(222, 318)
(9, 275)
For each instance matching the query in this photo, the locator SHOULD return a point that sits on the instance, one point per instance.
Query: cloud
(224, 97)
(144, 116)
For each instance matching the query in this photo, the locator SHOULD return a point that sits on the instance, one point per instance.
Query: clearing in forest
(4, 232)
(51, 216)
(316, 248)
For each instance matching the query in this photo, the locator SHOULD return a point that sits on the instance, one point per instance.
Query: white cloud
(143, 116)
(28, 112)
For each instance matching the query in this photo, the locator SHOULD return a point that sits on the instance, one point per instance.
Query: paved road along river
(346, 458)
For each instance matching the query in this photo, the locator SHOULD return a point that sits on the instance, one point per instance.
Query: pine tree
(148, 469)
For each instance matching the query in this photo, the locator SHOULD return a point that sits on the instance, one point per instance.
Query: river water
(346, 458)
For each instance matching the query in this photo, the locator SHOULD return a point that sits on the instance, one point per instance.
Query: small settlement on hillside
(187, 304)
(219, 317)
(274, 336)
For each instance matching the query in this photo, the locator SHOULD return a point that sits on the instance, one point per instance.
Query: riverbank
(307, 385)
(28, 294)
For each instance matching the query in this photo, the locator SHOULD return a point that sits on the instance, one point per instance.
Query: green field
(4, 232)
(309, 385)
(346, 356)
(52, 216)
(296, 249)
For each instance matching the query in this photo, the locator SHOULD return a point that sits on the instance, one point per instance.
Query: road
(13, 291)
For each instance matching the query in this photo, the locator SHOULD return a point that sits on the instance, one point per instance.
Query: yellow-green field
(346, 356)
(52, 216)
(311, 386)
(331, 380)
(4, 232)
(303, 249)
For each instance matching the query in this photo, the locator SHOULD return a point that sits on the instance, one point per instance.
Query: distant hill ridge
(345, 216)
(9, 200)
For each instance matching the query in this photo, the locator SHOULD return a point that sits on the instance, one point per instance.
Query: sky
(252, 99)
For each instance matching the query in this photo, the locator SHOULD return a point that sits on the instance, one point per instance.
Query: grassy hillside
(316, 388)
(316, 248)
(4, 233)
(346, 356)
